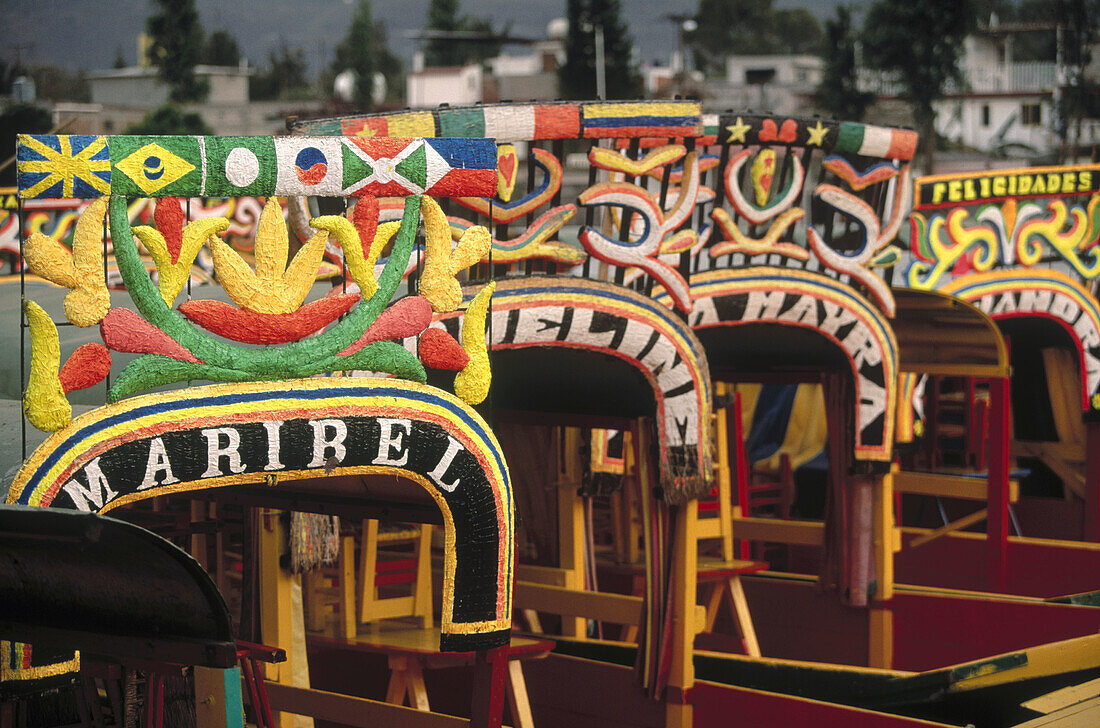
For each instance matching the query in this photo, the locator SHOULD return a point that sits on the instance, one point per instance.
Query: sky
(86, 34)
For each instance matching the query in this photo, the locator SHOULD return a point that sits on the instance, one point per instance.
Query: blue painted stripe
(613, 122)
(235, 397)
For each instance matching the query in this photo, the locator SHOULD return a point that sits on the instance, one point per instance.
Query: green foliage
(389, 65)
(796, 30)
(749, 27)
(578, 74)
(120, 58)
(55, 82)
(839, 95)
(283, 77)
(20, 119)
(921, 41)
(221, 49)
(176, 47)
(443, 16)
(364, 51)
(170, 119)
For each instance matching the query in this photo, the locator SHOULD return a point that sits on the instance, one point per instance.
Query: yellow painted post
(723, 468)
(571, 526)
(678, 712)
(881, 642)
(681, 678)
(630, 500)
(281, 619)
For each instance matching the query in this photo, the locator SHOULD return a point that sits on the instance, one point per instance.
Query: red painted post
(1092, 481)
(1000, 437)
(487, 696)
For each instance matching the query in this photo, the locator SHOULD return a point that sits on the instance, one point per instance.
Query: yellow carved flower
(274, 287)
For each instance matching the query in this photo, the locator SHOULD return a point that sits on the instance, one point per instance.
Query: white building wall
(451, 85)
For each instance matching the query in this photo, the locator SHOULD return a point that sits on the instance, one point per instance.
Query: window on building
(1031, 115)
(985, 114)
(754, 76)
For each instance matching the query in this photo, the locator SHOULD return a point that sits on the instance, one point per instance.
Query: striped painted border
(654, 340)
(83, 166)
(876, 330)
(988, 290)
(94, 433)
(524, 122)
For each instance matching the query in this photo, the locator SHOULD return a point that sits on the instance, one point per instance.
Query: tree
(356, 53)
(221, 49)
(921, 42)
(285, 74)
(55, 82)
(796, 30)
(578, 73)
(20, 119)
(730, 27)
(120, 58)
(443, 17)
(364, 51)
(389, 65)
(749, 27)
(176, 47)
(169, 119)
(839, 93)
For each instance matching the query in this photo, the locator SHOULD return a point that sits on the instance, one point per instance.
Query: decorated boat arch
(265, 430)
(1021, 245)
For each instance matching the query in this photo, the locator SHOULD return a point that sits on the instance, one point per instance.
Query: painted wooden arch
(615, 321)
(1045, 294)
(233, 434)
(826, 307)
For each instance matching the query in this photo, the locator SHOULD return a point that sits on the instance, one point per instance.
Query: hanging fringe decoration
(314, 541)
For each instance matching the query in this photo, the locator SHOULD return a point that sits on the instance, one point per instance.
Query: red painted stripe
(639, 131)
(559, 121)
(903, 144)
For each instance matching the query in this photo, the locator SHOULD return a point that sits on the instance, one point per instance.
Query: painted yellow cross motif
(64, 166)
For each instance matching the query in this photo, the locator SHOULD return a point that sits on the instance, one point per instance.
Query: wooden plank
(803, 533)
(1065, 697)
(549, 575)
(955, 525)
(1082, 715)
(614, 608)
(1053, 658)
(947, 485)
(352, 711)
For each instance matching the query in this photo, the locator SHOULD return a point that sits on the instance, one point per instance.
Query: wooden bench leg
(518, 702)
(407, 678)
(418, 694)
(744, 619)
(714, 601)
(395, 691)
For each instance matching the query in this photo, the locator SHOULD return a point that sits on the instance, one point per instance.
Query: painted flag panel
(51, 167)
(650, 118)
(234, 167)
(155, 166)
(876, 141)
(63, 166)
(462, 122)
